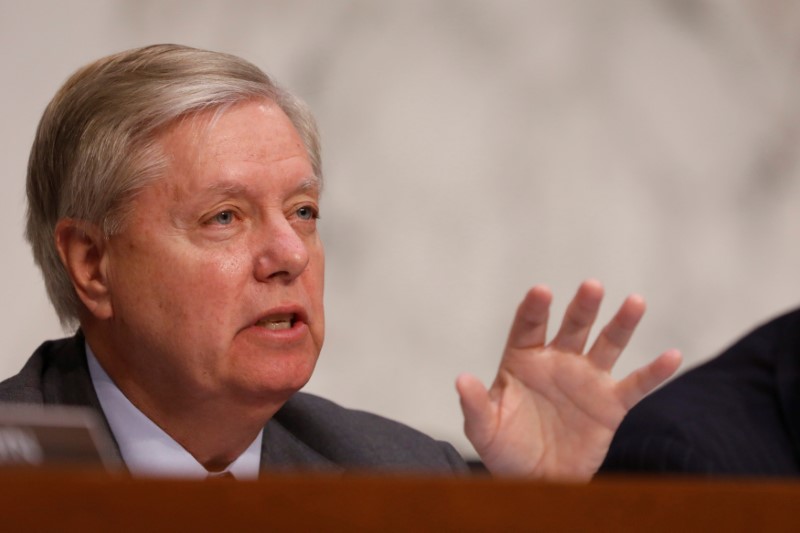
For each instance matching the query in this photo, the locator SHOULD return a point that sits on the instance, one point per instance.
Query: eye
(307, 213)
(223, 218)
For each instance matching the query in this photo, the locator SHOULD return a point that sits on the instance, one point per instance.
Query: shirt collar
(147, 450)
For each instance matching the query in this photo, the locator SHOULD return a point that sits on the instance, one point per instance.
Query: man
(173, 202)
(738, 414)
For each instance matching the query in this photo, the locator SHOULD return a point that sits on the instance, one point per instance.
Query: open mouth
(277, 322)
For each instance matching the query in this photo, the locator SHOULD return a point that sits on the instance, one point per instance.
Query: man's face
(216, 280)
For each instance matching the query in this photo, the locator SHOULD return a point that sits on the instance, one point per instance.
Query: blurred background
(471, 150)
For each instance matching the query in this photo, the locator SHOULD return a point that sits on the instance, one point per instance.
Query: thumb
(477, 409)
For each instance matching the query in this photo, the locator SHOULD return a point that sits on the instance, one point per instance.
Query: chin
(278, 384)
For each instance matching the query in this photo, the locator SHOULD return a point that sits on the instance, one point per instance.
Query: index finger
(529, 329)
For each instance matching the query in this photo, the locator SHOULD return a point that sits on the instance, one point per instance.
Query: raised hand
(552, 410)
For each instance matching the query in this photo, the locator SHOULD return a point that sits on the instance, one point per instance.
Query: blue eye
(223, 218)
(307, 213)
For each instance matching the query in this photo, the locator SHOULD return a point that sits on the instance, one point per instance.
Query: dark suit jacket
(308, 432)
(738, 414)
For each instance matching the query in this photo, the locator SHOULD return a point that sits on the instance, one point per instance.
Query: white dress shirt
(147, 450)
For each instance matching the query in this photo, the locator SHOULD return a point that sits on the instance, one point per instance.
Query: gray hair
(97, 142)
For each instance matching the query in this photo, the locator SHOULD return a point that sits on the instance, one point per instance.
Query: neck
(200, 421)
(204, 427)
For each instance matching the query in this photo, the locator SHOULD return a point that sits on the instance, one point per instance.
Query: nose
(282, 253)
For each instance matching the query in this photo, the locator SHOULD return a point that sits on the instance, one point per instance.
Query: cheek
(317, 260)
(214, 281)
(316, 289)
(315, 278)
(200, 289)
(229, 265)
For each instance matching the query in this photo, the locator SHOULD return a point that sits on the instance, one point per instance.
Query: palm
(551, 413)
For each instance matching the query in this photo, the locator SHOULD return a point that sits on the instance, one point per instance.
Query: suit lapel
(66, 381)
(281, 450)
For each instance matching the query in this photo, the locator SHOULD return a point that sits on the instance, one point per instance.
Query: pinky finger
(640, 382)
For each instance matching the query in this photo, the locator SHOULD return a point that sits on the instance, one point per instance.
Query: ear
(82, 248)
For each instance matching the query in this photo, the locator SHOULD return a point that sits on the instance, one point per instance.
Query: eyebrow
(312, 184)
(232, 188)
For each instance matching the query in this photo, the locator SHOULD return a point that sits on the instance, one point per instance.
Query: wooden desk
(91, 501)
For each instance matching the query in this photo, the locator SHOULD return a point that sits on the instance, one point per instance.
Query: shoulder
(357, 439)
(42, 371)
(726, 416)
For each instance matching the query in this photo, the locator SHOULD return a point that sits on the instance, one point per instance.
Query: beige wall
(475, 148)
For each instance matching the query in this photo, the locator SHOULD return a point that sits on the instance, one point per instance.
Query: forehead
(250, 136)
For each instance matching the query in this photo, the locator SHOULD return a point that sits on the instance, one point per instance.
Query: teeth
(276, 323)
(282, 324)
